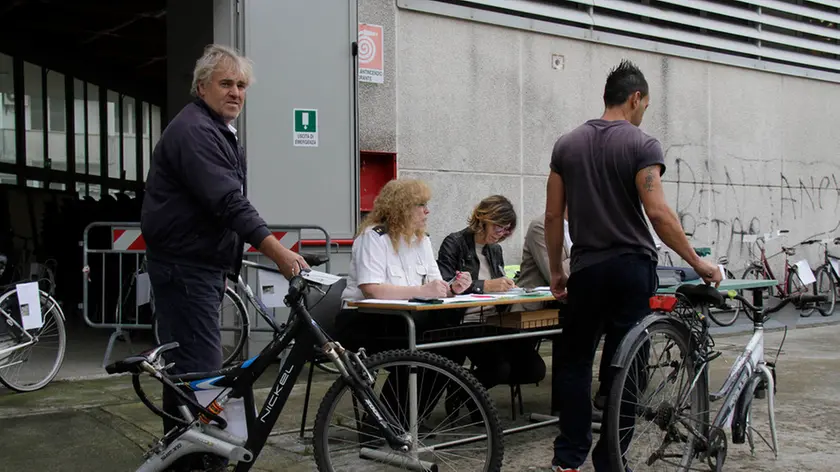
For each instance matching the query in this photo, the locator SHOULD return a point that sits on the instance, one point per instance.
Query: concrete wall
(478, 108)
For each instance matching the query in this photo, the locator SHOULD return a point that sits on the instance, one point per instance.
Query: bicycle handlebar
(785, 301)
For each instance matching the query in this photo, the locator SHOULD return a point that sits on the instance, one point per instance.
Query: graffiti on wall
(718, 201)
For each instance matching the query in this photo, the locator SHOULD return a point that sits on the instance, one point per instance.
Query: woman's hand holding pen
(460, 282)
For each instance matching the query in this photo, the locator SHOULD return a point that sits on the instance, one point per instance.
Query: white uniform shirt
(374, 261)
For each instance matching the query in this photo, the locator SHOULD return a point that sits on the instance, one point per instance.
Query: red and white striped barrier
(289, 240)
(127, 240)
(124, 239)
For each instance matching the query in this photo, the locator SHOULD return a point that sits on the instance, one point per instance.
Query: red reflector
(663, 302)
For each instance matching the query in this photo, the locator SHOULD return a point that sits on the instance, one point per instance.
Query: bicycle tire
(241, 320)
(58, 315)
(478, 392)
(832, 290)
(611, 428)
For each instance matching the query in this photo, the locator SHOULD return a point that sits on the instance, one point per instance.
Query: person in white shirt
(392, 259)
(392, 255)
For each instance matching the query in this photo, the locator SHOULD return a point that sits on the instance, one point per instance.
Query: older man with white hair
(195, 217)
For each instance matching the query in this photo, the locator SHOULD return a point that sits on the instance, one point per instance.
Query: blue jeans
(607, 298)
(187, 302)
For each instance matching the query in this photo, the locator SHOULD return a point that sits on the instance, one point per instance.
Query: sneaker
(557, 468)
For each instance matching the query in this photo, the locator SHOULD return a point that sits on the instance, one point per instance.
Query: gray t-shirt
(599, 161)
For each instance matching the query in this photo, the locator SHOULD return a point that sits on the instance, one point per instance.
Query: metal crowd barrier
(113, 261)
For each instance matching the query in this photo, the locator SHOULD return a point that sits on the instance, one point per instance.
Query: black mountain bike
(391, 397)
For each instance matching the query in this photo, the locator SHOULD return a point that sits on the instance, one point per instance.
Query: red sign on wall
(371, 61)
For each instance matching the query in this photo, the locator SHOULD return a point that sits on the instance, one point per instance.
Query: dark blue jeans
(187, 302)
(607, 298)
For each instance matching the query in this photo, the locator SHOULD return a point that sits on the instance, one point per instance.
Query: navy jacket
(194, 210)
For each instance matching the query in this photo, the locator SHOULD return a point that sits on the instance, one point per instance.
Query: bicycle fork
(350, 366)
(770, 382)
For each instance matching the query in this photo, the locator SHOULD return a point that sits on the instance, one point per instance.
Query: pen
(454, 278)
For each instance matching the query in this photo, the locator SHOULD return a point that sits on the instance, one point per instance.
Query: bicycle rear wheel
(469, 436)
(636, 396)
(28, 364)
(233, 318)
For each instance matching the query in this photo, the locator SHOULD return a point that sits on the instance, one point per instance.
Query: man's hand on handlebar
(291, 263)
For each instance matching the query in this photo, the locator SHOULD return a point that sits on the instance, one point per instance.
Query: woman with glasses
(475, 250)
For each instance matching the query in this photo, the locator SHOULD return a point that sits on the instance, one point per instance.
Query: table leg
(412, 387)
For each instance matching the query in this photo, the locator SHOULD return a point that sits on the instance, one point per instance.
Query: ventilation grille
(801, 33)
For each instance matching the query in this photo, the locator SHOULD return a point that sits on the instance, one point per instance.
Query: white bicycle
(661, 387)
(29, 358)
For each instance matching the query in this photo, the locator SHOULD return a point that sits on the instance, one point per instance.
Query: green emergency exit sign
(306, 127)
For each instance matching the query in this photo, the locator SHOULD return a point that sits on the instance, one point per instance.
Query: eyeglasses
(501, 229)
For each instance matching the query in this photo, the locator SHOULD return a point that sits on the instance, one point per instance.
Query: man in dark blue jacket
(196, 219)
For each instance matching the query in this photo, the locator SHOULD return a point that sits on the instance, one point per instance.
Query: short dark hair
(623, 81)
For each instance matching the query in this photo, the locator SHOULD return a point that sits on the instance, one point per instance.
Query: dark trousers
(609, 298)
(187, 302)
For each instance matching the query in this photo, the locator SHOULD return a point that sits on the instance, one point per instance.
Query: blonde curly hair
(393, 208)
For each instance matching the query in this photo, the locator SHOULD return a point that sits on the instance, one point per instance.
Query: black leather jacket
(457, 253)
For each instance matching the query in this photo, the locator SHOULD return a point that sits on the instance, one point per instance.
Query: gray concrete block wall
(478, 108)
(377, 102)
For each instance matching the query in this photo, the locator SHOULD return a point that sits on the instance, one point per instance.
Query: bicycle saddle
(701, 294)
(789, 250)
(132, 363)
(314, 260)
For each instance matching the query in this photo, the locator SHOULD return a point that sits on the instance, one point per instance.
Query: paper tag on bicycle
(749, 238)
(835, 264)
(273, 288)
(144, 289)
(29, 301)
(803, 270)
(322, 278)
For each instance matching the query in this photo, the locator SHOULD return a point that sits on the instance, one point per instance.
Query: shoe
(557, 468)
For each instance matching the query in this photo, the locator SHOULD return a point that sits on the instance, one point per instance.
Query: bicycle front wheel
(656, 411)
(233, 319)
(458, 427)
(30, 358)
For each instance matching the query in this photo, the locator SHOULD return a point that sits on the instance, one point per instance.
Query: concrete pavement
(98, 425)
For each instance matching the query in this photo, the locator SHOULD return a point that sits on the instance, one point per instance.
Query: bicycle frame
(237, 381)
(750, 361)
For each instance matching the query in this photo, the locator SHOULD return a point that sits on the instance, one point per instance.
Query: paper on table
(273, 288)
(29, 301)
